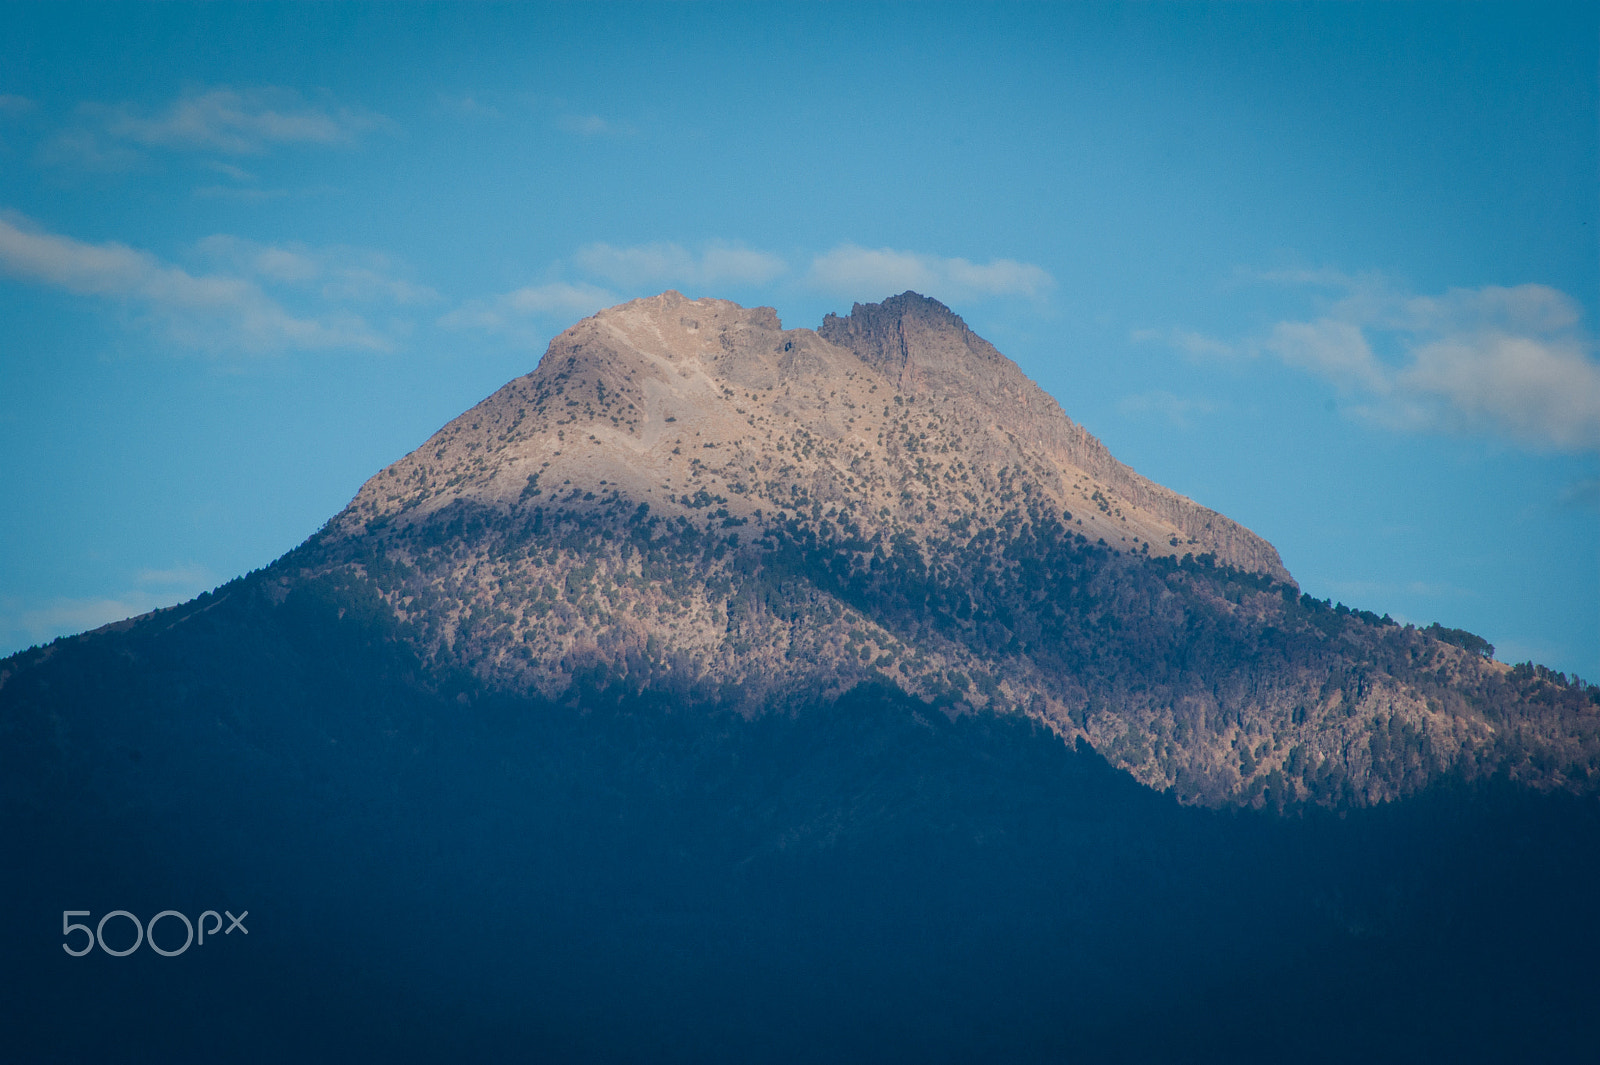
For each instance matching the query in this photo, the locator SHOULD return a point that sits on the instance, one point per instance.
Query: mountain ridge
(685, 496)
(508, 760)
(686, 501)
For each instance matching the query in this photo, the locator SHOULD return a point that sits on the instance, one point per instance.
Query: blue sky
(1331, 270)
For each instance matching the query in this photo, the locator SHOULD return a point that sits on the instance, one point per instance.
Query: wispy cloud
(13, 108)
(1195, 345)
(1176, 410)
(216, 311)
(1335, 350)
(23, 623)
(1582, 495)
(657, 264)
(230, 170)
(1507, 361)
(578, 119)
(871, 273)
(1356, 591)
(526, 314)
(246, 187)
(85, 149)
(336, 273)
(464, 105)
(592, 125)
(237, 121)
(65, 616)
(185, 575)
(220, 120)
(240, 194)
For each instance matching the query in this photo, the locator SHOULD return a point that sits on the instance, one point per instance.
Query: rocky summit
(685, 497)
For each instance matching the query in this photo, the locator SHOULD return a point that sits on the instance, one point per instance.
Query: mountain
(719, 692)
(684, 495)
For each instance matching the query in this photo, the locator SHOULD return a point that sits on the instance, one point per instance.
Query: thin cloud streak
(337, 273)
(232, 122)
(1197, 346)
(216, 311)
(236, 122)
(525, 314)
(665, 263)
(1176, 410)
(23, 623)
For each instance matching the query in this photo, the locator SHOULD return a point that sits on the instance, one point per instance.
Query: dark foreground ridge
(563, 774)
(435, 871)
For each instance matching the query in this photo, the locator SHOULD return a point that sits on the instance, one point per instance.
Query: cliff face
(686, 498)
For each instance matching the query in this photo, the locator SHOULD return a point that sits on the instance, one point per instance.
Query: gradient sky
(1331, 270)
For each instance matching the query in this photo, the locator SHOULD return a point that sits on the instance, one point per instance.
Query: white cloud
(850, 270)
(525, 313)
(1537, 390)
(12, 104)
(207, 310)
(1507, 361)
(1329, 348)
(656, 264)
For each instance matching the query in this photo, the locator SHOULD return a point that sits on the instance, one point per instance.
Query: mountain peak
(686, 499)
(917, 342)
(897, 414)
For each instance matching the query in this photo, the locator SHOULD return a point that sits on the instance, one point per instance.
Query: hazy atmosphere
(1330, 270)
